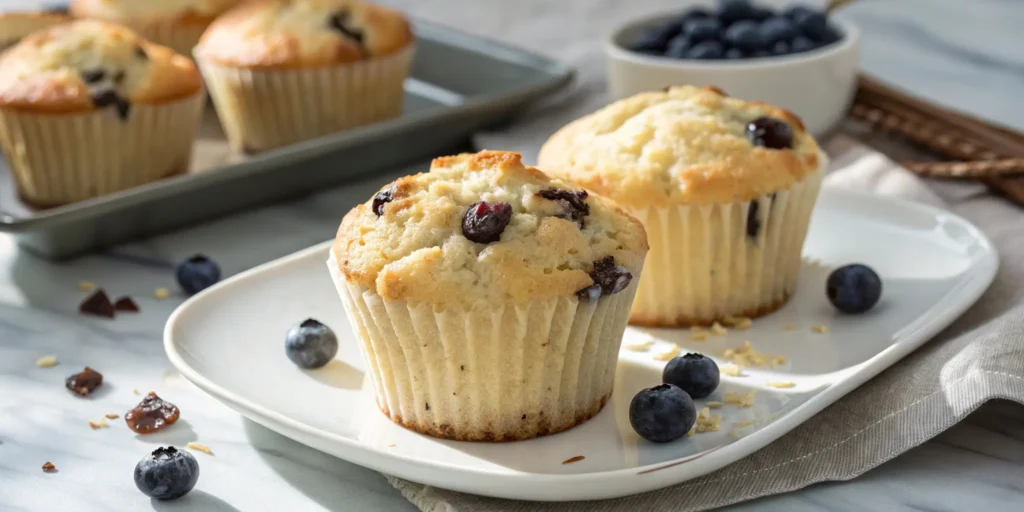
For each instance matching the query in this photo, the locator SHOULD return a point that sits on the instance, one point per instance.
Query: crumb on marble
(741, 323)
(135, 391)
(790, 327)
(86, 286)
(199, 447)
(161, 293)
(698, 333)
(820, 329)
(112, 415)
(46, 361)
(48, 467)
(573, 459)
(640, 345)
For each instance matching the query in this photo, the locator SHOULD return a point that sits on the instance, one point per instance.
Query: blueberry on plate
(167, 473)
(197, 274)
(744, 35)
(678, 47)
(653, 40)
(731, 11)
(310, 344)
(696, 374)
(777, 28)
(661, 414)
(801, 44)
(706, 50)
(703, 29)
(854, 288)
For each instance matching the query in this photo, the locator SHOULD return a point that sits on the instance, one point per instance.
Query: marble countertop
(960, 52)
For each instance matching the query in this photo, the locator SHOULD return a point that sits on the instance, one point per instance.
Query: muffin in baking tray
(489, 300)
(15, 25)
(174, 23)
(724, 187)
(88, 108)
(283, 71)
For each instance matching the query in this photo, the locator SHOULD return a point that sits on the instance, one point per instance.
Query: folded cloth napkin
(978, 358)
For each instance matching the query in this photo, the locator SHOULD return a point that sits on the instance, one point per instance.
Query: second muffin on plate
(284, 71)
(489, 300)
(724, 187)
(177, 24)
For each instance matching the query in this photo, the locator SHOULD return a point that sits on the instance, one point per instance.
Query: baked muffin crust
(416, 249)
(199, 12)
(303, 33)
(683, 145)
(18, 24)
(78, 66)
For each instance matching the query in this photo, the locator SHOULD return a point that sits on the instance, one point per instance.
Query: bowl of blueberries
(796, 57)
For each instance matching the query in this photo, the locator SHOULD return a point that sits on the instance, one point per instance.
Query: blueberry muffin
(174, 23)
(18, 24)
(88, 108)
(490, 300)
(724, 187)
(283, 71)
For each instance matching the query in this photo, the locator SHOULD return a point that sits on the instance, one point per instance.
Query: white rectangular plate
(229, 340)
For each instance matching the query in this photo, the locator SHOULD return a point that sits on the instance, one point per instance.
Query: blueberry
(813, 25)
(853, 288)
(802, 44)
(678, 47)
(735, 53)
(731, 11)
(574, 203)
(780, 48)
(654, 40)
(757, 54)
(110, 98)
(167, 473)
(703, 29)
(611, 277)
(777, 28)
(661, 414)
(197, 274)
(694, 373)
(770, 133)
(797, 11)
(744, 35)
(706, 50)
(382, 198)
(484, 222)
(761, 14)
(311, 344)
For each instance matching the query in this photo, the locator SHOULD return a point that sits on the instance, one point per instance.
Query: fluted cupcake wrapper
(491, 373)
(707, 262)
(263, 109)
(180, 37)
(62, 158)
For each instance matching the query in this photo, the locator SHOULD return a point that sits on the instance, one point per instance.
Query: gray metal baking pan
(459, 84)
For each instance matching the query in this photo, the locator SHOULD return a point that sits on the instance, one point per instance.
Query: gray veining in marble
(962, 52)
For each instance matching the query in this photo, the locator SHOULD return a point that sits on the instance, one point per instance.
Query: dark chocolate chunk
(484, 222)
(82, 384)
(109, 97)
(151, 415)
(97, 304)
(126, 304)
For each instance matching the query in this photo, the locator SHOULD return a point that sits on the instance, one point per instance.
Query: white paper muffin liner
(63, 158)
(704, 266)
(180, 37)
(490, 373)
(263, 109)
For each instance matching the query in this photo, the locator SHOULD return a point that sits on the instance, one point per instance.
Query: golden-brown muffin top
(83, 65)
(303, 33)
(151, 11)
(18, 24)
(410, 241)
(682, 145)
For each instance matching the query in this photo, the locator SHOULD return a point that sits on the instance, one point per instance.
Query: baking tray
(459, 84)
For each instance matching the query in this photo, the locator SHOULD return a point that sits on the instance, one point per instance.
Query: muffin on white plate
(489, 300)
(284, 71)
(725, 188)
(15, 25)
(174, 23)
(88, 108)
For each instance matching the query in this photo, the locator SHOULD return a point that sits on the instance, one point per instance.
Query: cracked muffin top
(304, 33)
(199, 12)
(85, 65)
(483, 228)
(683, 145)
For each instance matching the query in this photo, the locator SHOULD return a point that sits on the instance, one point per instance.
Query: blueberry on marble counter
(197, 274)
(167, 473)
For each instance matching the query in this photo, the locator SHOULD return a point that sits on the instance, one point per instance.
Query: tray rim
(560, 76)
(621, 482)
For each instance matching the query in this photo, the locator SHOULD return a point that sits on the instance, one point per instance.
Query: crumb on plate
(86, 286)
(740, 399)
(780, 384)
(48, 467)
(46, 361)
(667, 354)
(707, 422)
(747, 356)
(573, 459)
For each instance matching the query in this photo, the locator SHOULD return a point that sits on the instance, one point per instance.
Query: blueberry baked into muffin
(724, 187)
(489, 300)
(88, 108)
(15, 25)
(174, 23)
(283, 71)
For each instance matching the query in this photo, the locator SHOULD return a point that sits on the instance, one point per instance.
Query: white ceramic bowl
(818, 85)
